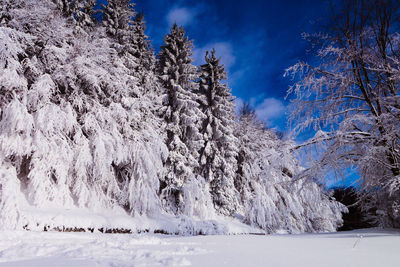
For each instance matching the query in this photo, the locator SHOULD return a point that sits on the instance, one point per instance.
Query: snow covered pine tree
(182, 187)
(218, 154)
(84, 14)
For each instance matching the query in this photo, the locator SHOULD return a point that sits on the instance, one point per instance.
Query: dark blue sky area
(256, 39)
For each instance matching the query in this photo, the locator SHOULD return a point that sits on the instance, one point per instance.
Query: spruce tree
(5, 7)
(79, 12)
(181, 115)
(84, 13)
(117, 18)
(217, 156)
(145, 58)
(65, 6)
(142, 44)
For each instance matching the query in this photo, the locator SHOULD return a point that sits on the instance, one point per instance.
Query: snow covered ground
(354, 248)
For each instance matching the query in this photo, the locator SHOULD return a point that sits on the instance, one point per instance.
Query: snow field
(354, 248)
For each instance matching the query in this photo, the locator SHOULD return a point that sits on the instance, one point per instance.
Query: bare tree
(352, 98)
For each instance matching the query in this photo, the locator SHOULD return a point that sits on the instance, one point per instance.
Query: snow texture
(355, 248)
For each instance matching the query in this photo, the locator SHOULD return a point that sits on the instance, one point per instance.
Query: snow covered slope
(354, 248)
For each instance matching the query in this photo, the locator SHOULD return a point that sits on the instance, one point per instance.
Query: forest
(100, 132)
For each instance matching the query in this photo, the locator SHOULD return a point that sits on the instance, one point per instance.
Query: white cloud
(184, 16)
(181, 16)
(270, 109)
(222, 49)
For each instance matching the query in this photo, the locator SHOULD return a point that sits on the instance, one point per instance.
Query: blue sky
(256, 40)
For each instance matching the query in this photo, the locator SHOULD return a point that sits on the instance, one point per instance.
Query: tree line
(92, 118)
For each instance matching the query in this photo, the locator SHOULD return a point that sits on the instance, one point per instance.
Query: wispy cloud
(270, 110)
(224, 50)
(184, 15)
(180, 15)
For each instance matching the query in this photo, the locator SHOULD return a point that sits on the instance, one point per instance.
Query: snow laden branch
(351, 98)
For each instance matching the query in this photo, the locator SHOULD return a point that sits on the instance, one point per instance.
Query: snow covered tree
(81, 12)
(84, 13)
(118, 17)
(142, 44)
(218, 154)
(5, 11)
(271, 196)
(182, 115)
(145, 69)
(118, 20)
(352, 98)
(71, 134)
(127, 28)
(65, 6)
